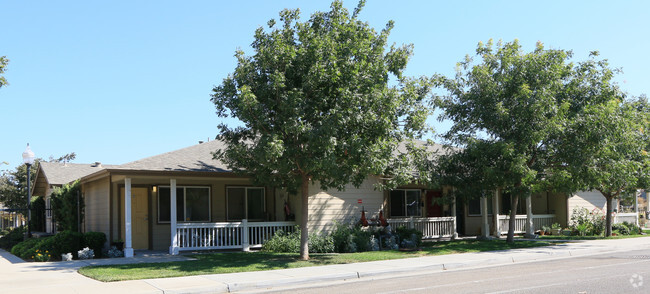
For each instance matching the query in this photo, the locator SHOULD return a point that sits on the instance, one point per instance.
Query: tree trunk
(608, 216)
(514, 200)
(304, 234)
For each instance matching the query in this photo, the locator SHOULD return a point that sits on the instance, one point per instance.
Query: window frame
(209, 188)
(246, 188)
(404, 199)
(490, 207)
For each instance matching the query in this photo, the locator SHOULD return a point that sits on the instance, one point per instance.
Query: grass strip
(234, 262)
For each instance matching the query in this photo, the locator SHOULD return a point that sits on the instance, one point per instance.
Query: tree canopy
(605, 149)
(3, 67)
(317, 104)
(13, 183)
(509, 111)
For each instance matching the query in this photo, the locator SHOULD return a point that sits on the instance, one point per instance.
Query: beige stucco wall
(96, 199)
(325, 207)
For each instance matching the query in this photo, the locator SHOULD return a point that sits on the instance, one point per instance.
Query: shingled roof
(197, 158)
(59, 174)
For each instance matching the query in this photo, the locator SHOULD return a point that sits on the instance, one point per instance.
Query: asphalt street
(617, 272)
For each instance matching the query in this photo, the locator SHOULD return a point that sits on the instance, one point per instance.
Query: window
(474, 206)
(246, 203)
(48, 207)
(505, 205)
(405, 203)
(192, 204)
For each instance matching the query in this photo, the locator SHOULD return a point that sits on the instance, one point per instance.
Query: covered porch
(533, 212)
(155, 212)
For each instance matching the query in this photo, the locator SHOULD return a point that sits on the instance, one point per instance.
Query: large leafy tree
(13, 183)
(13, 186)
(317, 107)
(606, 149)
(3, 65)
(508, 111)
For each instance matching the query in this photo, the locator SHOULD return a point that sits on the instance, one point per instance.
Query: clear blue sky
(116, 81)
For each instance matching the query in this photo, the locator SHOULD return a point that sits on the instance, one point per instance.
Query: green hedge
(95, 241)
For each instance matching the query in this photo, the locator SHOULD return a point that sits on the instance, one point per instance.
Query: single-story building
(187, 200)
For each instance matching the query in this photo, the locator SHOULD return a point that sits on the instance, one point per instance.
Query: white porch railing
(539, 220)
(228, 235)
(630, 217)
(431, 227)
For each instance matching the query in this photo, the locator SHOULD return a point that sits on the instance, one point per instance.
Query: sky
(117, 81)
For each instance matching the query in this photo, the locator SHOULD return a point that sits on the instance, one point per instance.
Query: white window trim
(405, 212)
(246, 188)
(185, 204)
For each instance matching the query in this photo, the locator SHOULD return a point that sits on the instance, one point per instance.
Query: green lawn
(232, 262)
(552, 237)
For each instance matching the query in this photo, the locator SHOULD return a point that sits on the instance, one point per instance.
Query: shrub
(95, 241)
(290, 243)
(47, 245)
(634, 229)
(114, 252)
(283, 242)
(353, 238)
(86, 253)
(587, 223)
(67, 242)
(41, 256)
(12, 238)
(343, 238)
(409, 238)
(64, 205)
(622, 229)
(25, 249)
(320, 243)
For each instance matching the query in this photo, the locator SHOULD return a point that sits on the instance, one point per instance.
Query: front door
(434, 207)
(139, 217)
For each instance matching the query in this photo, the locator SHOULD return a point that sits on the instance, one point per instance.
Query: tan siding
(558, 206)
(325, 207)
(96, 198)
(587, 199)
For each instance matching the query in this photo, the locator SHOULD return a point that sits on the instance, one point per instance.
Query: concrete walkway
(17, 276)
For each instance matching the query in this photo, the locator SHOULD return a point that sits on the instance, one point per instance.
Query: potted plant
(545, 230)
(556, 229)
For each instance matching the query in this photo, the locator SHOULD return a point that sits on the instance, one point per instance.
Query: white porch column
(530, 227)
(495, 212)
(637, 193)
(128, 246)
(485, 227)
(453, 213)
(173, 249)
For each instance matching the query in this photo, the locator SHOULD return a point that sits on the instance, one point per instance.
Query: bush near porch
(592, 223)
(346, 238)
(54, 246)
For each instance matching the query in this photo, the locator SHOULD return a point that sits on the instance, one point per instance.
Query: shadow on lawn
(222, 262)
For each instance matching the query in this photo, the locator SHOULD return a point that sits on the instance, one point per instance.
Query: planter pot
(556, 231)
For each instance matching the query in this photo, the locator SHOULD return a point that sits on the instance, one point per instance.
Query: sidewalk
(17, 276)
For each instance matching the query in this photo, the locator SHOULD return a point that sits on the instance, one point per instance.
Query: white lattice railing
(431, 227)
(228, 235)
(539, 220)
